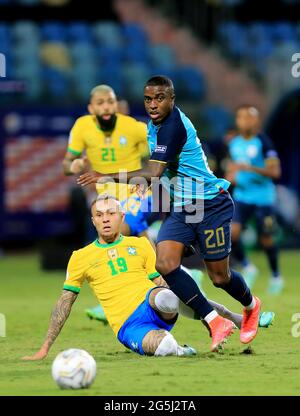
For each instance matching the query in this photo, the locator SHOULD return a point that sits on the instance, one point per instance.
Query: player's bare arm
(73, 165)
(271, 170)
(153, 169)
(59, 316)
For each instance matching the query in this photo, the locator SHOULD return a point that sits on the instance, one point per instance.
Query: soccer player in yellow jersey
(112, 142)
(121, 272)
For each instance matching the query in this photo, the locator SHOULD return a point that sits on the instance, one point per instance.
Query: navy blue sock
(183, 285)
(238, 289)
(272, 255)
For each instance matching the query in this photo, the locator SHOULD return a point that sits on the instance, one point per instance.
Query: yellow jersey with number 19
(120, 275)
(108, 152)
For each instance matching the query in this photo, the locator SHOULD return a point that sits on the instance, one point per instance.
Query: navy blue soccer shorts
(264, 216)
(212, 232)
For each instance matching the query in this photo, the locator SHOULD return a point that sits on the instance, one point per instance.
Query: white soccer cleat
(186, 351)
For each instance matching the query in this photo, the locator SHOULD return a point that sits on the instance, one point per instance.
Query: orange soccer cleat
(220, 329)
(250, 323)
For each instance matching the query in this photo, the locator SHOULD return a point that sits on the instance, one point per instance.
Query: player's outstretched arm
(152, 170)
(58, 318)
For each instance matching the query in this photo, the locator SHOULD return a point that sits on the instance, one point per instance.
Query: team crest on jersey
(132, 251)
(113, 253)
(252, 151)
(107, 140)
(123, 141)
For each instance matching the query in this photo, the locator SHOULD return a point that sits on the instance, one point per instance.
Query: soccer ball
(74, 369)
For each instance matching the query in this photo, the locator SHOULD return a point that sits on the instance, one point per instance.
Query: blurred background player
(253, 168)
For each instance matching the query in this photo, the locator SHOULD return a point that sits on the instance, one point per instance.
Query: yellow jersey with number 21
(108, 152)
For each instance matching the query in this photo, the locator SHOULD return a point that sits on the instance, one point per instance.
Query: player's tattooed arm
(59, 316)
(152, 340)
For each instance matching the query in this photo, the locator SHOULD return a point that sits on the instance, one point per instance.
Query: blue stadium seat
(30, 53)
(5, 38)
(135, 33)
(25, 33)
(4, 30)
(190, 83)
(27, 69)
(85, 70)
(283, 32)
(113, 77)
(112, 56)
(259, 51)
(136, 53)
(108, 34)
(54, 32)
(170, 72)
(57, 82)
(233, 38)
(80, 32)
(219, 120)
(162, 55)
(83, 86)
(228, 31)
(298, 31)
(81, 51)
(135, 76)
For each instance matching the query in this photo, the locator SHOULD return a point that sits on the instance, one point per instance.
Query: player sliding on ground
(121, 272)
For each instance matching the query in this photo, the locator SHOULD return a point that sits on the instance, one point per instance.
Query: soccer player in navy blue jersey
(255, 164)
(201, 210)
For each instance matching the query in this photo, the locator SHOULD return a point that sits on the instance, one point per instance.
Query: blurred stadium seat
(254, 43)
(54, 32)
(108, 33)
(219, 120)
(74, 56)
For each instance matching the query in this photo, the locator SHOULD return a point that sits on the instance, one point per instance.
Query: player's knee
(166, 265)
(167, 346)
(219, 278)
(166, 301)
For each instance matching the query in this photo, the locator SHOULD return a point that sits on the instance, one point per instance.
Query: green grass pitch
(28, 294)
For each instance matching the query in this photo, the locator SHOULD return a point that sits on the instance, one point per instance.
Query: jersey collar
(98, 244)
